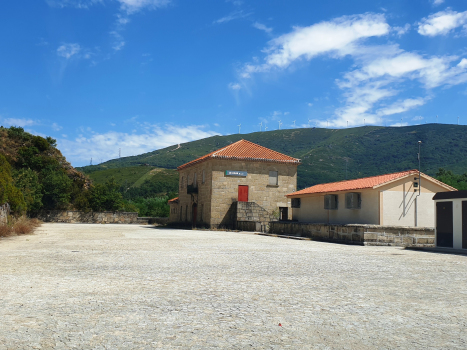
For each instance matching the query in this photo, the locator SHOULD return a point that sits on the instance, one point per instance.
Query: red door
(242, 193)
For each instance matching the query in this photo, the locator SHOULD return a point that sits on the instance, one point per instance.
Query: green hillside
(326, 153)
(127, 175)
(139, 181)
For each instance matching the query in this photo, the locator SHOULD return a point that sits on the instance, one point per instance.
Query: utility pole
(419, 183)
(346, 164)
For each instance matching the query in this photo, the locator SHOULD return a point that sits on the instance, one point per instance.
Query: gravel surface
(137, 287)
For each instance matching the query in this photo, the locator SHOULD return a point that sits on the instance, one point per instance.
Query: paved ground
(135, 287)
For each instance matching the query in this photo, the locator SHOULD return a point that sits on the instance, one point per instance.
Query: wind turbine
(260, 126)
(295, 121)
(239, 127)
(265, 128)
(280, 124)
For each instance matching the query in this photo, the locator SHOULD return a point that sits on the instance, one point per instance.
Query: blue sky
(138, 75)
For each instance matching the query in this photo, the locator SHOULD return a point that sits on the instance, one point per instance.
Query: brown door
(284, 213)
(464, 224)
(242, 193)
(444, 224)
(195, 214)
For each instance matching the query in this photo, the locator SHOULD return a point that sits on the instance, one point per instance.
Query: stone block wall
(69, 216)
(359, 234)
(4, 212)
(270, 198)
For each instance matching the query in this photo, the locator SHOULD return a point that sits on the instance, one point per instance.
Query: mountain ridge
(329, 155)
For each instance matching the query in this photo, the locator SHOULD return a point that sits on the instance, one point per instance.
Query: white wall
(400, 208)
(312, 210)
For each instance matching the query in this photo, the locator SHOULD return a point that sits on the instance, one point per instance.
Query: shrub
(5, 230)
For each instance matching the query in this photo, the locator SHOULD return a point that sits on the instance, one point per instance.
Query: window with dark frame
(331, 201)
(296, 202)
(353, 200)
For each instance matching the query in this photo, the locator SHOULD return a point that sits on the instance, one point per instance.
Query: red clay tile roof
(244, 150)
(366, 182)
(175, 200)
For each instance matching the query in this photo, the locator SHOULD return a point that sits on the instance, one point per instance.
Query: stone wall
(269, 197)
(152, 221)
(69, 216)
(359, 234)
(4, 212)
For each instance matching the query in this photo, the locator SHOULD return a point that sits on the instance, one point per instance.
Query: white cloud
(438, 2)
(262, 27)
(339, 37)
(232, 16)
(132, 6)
(18, 122)
(235, 86)
(82, 4)
(441, 23)
(56, 127)
(68, 50)
(101, 146)
(402, 30)
(402, 106)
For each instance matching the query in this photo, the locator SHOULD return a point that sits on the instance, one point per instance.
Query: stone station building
(240, 183)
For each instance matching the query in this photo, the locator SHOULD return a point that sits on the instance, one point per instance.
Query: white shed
(451, 219)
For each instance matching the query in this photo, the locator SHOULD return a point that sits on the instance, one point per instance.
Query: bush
(155, 207)
(5, 231)
(106, 197)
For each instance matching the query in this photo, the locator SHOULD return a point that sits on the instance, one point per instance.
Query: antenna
(239, 128)
(260, 126)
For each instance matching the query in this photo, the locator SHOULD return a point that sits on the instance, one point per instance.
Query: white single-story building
(398, 199)
(451, 219)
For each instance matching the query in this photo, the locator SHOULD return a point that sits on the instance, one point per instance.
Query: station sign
(236, 173)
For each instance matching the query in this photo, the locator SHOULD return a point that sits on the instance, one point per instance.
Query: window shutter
(273, 178)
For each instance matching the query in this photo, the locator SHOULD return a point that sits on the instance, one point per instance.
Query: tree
(8, 192)
(106, 197)
(27, 181)
(56, 188)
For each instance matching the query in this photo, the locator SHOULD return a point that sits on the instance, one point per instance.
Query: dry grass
(19, 226)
